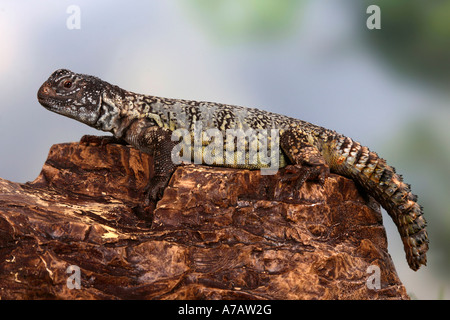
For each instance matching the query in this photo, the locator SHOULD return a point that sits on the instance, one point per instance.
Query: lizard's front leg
(308, 162)
(157, 142)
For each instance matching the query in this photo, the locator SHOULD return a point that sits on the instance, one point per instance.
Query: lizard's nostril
(45, 89)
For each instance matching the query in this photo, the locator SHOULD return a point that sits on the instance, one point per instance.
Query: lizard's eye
(67, 84)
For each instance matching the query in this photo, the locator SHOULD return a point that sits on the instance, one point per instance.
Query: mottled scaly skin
(147, 123)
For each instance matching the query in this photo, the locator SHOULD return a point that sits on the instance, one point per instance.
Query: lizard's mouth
(47, 98)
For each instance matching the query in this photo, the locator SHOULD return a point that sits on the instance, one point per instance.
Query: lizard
(307, 151)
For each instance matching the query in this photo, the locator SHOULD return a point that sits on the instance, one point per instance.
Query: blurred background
(315, 60)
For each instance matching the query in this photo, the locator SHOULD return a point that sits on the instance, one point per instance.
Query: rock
(217, 233)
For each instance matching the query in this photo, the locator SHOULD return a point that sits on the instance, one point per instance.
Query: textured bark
(216, 234)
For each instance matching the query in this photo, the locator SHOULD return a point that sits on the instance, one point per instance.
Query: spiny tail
(379, 179)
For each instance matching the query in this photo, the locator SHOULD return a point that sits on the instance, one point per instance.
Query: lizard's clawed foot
(155, 189)
(301, 173)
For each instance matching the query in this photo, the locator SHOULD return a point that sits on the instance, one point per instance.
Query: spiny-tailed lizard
(148, 123)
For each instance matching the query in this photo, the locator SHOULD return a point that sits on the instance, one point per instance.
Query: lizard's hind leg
(307, 161)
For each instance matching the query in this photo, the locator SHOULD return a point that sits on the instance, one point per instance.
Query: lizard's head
(73, 95)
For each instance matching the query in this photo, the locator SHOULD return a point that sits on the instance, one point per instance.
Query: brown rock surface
(216, 234)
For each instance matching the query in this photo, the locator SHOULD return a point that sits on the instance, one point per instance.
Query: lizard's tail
(379, 179)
